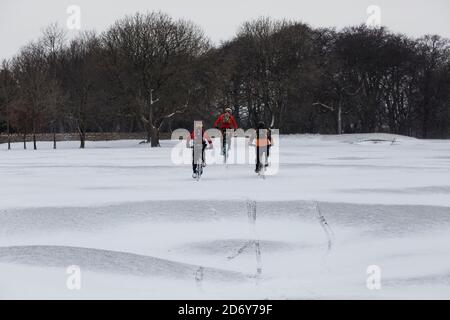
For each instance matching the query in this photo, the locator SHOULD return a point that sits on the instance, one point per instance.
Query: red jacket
(222, 124)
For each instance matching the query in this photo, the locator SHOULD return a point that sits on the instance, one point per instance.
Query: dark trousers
(224, 140)
(194, 160)
(260, 153)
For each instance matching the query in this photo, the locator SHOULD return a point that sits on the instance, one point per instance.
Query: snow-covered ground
(138, 226)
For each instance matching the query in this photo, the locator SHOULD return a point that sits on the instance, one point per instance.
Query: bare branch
(324, 106)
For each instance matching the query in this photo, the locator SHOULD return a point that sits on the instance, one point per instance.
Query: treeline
(152, 73)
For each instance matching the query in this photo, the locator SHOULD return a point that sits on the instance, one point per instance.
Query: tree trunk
(54, 139)
(25, 141)
(425, 124)
(149, 134)
(82, 138)
(9, 135)
(34, 129)
(154, 141)
(339, 119)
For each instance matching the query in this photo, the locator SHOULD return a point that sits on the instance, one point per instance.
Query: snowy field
(139, 226)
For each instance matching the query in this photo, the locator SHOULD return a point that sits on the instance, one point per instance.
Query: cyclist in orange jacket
(263, 142)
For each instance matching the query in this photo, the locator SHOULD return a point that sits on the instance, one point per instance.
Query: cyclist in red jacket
(224, 122)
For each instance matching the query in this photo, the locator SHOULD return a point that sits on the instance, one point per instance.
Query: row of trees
(149, 72)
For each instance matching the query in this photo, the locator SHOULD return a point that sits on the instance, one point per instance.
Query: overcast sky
(23, 20)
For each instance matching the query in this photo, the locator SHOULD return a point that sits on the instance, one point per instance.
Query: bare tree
(8, 89)
(433, 67)
(80, 64)
(31, 71)
(53, 41)
(154, 54)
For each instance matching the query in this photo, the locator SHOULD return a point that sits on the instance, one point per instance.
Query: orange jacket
(264, 141)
